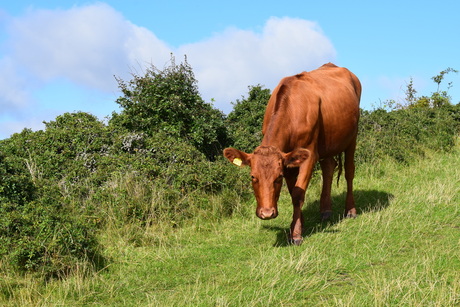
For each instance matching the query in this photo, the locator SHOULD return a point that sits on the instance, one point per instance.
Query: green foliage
(405, 134)
(74, 141)
(245, 121)
(41, 230)
(130, 199)
(405, 131)
(438, 78)
(169, 162)
(58, 186)
(168, 101)
(437, 99)
(39, 233)
(15, 186)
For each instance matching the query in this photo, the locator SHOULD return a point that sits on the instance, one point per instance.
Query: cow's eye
(254, 179)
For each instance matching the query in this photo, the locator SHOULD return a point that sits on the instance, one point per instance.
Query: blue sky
(61, 56)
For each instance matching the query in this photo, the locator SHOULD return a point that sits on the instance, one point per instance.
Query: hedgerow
(406, 134)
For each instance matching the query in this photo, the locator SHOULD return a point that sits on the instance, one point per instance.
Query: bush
(245, 121)
(39, 233)
(405, 134)
(72, 141)
(15, 184)
(168, 101)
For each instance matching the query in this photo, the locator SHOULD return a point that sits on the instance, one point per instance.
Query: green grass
(402, 250)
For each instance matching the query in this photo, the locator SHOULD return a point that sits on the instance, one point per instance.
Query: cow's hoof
(326, 216)
(296, 242)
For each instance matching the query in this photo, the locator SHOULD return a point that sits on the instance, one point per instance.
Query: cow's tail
(339, 160)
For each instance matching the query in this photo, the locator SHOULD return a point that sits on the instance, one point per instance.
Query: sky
(60, 56)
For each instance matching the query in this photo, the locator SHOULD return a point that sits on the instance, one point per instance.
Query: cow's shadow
(366, 201)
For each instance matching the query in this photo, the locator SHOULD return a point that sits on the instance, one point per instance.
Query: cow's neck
(278, 135)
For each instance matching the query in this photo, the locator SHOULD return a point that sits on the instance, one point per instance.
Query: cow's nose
(267, 213)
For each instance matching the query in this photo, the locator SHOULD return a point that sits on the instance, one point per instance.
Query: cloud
(230, 61)
(87, 45)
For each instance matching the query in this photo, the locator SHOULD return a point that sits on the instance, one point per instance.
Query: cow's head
(267, 167)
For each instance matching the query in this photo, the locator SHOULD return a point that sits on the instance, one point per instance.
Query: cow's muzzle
(266, 213)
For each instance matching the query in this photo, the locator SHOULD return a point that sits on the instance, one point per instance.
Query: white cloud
(87, 45)
(230, 61)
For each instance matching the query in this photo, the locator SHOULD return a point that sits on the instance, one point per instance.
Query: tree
(245, 121)
(411, 93)
(168, 100)
(437, 99)
(438, 78)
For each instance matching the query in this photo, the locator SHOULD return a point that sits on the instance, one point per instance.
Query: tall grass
(402, 250)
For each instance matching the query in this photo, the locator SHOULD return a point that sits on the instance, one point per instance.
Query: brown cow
(310, 117)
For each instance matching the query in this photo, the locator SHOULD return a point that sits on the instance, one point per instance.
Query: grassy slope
(403, 250)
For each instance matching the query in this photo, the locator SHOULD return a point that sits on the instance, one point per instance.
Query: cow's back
(317, 109)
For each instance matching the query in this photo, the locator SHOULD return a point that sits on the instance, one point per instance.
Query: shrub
(168, 101)
(245, 121)
(73, 140)
(40, 233)
(16, 185)
(405, 134)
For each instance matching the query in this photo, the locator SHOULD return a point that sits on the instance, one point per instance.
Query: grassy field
(402, 250)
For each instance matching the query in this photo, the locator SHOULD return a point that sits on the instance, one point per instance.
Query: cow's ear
(237, 157)
(296, 157)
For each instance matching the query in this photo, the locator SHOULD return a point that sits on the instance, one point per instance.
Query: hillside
(401, 250)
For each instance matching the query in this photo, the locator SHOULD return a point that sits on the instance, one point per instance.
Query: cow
(310, 117)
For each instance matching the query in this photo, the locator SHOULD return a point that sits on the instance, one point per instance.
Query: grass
(402, 250)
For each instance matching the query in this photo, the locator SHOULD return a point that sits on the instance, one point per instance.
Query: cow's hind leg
(350, 210)
(327, 166)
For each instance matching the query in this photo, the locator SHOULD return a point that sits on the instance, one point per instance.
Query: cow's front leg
(298, 197)
(297, 188)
